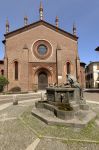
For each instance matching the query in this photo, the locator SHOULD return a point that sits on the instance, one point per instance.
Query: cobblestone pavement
(14, 135)
(50, 144)
(91, 96)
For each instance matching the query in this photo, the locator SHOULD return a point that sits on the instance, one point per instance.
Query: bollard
(15, 100)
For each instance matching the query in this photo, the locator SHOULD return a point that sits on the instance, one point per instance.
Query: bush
(15, 89)
(3, 83)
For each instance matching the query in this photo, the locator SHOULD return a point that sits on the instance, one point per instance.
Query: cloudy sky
(85, 13)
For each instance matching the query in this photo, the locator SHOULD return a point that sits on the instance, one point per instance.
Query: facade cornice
(38, 23)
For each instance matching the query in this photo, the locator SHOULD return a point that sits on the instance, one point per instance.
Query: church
(40, 54)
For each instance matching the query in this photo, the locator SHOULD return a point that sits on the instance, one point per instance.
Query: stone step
(5, 97)
(9, 98)
(30, 97)
(21, 96)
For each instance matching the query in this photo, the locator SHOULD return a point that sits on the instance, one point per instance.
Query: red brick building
(40, 54)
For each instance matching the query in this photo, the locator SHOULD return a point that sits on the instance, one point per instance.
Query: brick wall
(27, 60)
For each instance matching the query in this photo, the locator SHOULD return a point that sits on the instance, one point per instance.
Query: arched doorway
(42, 80)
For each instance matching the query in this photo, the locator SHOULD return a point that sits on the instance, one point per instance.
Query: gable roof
(38, 23)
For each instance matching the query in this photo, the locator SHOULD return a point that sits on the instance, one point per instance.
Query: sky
(85, 14)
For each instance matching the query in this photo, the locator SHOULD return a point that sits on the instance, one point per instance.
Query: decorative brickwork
(36, 47)
(32, 64)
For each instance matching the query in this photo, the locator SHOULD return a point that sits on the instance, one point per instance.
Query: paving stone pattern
(50, 144)
(91, 96)
(14, 135)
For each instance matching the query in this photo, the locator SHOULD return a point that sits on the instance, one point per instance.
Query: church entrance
(42, 80)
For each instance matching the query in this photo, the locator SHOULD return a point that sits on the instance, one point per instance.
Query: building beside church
(40, 54)
(82, 79)
(92, 75)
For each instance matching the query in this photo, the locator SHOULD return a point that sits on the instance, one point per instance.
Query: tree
(3, 83)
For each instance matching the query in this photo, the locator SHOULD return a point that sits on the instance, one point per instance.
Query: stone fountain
(65, 105)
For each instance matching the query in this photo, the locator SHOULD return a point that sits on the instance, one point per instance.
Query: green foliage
(3, 83)
(15, 89)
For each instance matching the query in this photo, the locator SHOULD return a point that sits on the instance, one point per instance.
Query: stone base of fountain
(63, 107)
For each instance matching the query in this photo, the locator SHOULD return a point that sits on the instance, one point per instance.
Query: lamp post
(26, 48)
(58, 48)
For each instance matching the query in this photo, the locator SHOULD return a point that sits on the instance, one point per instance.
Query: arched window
(2, 72)
(68, 67)
(16, 70)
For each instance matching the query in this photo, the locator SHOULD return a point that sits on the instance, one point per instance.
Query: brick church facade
(40, 54)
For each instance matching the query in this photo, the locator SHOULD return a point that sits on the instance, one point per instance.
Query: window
(16, 70)
(98, 77)
(2, 72)
(88, 76)
(91, 76)
(68, 67)
(42, 49)
(98, 67)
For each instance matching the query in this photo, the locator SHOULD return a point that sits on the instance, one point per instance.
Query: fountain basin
(59, 113)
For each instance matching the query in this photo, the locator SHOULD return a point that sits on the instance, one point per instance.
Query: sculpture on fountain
(74, 83)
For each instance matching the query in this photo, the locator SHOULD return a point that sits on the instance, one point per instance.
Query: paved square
(19, 130)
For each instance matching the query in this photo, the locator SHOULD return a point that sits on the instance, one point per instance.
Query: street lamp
(26, 48)
(58, 48)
